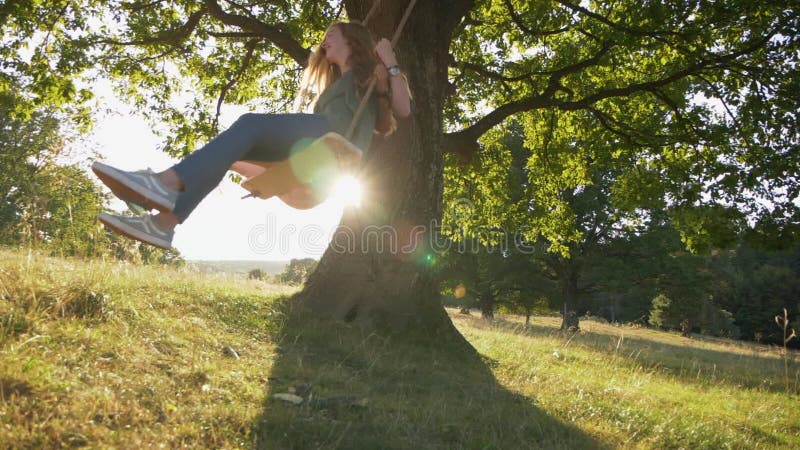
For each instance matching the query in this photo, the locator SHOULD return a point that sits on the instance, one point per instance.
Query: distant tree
(152, 255)
(457, 277)
(297, 271)
(29, 144)
(63, 211)
(526, 285)
(256, 274)
(688, 314)
(670, 314)
(755, 285)
(715, 321)
(522, 303)
(478, 270)
(44, 203)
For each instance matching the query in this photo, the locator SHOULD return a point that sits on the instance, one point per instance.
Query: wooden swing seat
(302, 181)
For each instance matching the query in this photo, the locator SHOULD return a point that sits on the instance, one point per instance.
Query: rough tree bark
(378, 267)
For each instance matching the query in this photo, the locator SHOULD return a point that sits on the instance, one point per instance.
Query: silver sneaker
(142, 187)
(142, 228)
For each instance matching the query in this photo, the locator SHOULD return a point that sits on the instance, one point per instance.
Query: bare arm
(397, 85)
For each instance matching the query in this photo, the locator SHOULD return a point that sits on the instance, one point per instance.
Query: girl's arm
(397, 86)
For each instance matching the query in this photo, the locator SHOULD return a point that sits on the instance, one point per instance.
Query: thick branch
(280, 38)
(172, 37)
(556, 75)
(529, 31)
(720, 61)
(464, 139)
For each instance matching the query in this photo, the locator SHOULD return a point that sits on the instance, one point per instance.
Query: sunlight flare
(348, 191)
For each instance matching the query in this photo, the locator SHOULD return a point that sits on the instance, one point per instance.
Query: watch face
(394, 71)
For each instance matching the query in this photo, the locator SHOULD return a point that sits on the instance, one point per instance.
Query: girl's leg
(170, 178)
(262, 137)
(167, 220)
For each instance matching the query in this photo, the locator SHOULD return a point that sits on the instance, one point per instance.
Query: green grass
(112, 355)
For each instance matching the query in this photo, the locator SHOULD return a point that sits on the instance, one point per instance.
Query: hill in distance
(238, 266)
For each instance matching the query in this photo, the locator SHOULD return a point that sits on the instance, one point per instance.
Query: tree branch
(730, 113)
(580, 9)
(676, 110)
(277, 36)
(477, 68)
(251, 46)
(235, 34)
(173, 37)
(556, 75)
(529, 31)
(464, 140)
(604, 122)
(241, 8)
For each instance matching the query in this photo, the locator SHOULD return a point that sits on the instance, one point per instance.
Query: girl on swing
(339, 71)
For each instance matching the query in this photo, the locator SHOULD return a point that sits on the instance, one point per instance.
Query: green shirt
(339, 102)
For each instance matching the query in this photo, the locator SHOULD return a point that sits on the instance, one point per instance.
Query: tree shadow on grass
(689, 363)
(405, 392)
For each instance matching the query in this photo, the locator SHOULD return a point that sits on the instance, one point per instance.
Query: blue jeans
(257, 137)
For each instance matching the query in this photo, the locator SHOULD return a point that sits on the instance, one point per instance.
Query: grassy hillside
(111, 355)
(242, 267)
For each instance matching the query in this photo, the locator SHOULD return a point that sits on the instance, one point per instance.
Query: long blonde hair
(319, 73)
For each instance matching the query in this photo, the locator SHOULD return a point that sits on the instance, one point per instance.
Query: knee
(246, 120)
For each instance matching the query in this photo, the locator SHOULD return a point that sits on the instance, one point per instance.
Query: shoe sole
(115, 181)
(121, 228)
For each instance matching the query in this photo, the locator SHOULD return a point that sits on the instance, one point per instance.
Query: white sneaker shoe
(142, 228)
(142, 187)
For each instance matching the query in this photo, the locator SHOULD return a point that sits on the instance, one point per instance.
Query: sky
(224, 226)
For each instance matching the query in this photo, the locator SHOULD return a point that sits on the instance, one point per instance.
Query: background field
(238, 267)
(117, 355)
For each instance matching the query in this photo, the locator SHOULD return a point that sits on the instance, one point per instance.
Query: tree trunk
(486, 303)
(380, 266)
(568, 279)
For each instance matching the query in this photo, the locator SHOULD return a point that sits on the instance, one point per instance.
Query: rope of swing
(371, 87)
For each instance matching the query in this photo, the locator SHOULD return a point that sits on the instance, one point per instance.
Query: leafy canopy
(693, 103)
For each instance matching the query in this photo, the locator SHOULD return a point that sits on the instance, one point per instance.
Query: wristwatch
(394, 70)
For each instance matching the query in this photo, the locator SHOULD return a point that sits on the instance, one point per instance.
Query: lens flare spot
(349, 190)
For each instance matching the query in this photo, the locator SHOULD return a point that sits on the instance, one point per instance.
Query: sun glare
(348, 191)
